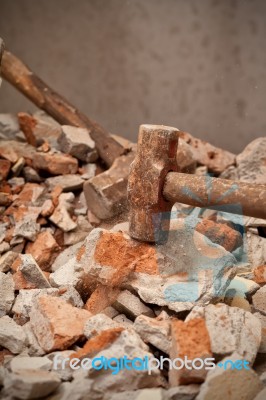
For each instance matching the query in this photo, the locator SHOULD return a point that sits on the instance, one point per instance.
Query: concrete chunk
(55, 164)
(251, 162)
(98, 323)
(68, 182)
(31, 384)
(61, 216)
(6, 260)
(78, 143)
(106, 193)
(32, 272)
(259, 300)
(12, 336)
(189, 339)
(7, 295)
(231, 329)
(25, 300)
(256, 246)
(56, 323)
(231, 384)
(154, 331)
(21, 363)
(130, 305)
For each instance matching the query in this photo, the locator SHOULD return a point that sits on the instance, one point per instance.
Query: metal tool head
(156, 156)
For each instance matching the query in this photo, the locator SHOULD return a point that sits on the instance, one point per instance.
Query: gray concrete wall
(199, 65)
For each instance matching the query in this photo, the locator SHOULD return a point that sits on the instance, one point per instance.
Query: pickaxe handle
(19, 75)
(201, 191)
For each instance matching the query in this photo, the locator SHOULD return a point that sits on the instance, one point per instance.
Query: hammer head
(156, 156)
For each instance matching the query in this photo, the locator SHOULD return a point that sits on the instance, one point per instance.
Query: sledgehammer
(154, 185)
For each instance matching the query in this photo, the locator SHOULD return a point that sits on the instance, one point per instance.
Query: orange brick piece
(98, 343)
(260, 274)
(56, 164)
(221, 234)
(43, 249)
(189, 339)
(56, 323)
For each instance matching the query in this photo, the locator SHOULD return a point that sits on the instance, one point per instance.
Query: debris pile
(75, 285)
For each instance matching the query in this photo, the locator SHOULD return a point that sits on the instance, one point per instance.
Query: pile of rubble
(75, 285)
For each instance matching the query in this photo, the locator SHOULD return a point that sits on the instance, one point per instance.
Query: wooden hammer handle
(201, 191)
(20, 76)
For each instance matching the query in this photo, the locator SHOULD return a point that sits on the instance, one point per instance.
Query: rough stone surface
(79, 233)
(185, 157)
(43, 249)
(68, 183)
(237, 291)
(32, 272)
(259, 300)
(55, 164)
(262, 318)
(216, 159)
(12, 336)
(33, 363)
(259, 273)
(98, 323)
(72, 296)
(4, 246)
(230, 383)
(261, 395)
(219, 233)
(25, 301)
(33, 347)
(143, 394)
(31, 175)
(161, 275)
(118, 343)
(122, 320)
(57, 357)
(7, 294)
(5, 166)
(101, 297)
(110, 312)
(155, 331)
(9, 126)
(186, 392)
(66, 255)
(256, 247)
(189, 339)
(89, 171)
(12, 150)
(61, 216)
(78, 143)
(27, 228)
(18, 166)
(250, 163)
(39, 128)
(56, 323)
(130, 305)
(69, 274)
(81, 205)
(231, 329)
(7, 260)
(106, 193)
(31, 384)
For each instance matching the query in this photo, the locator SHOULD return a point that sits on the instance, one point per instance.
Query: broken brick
(56, 323)
(56, 164)
(44, 249)
(189, 339)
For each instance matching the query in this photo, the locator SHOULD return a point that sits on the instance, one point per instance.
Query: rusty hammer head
(156, 156)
